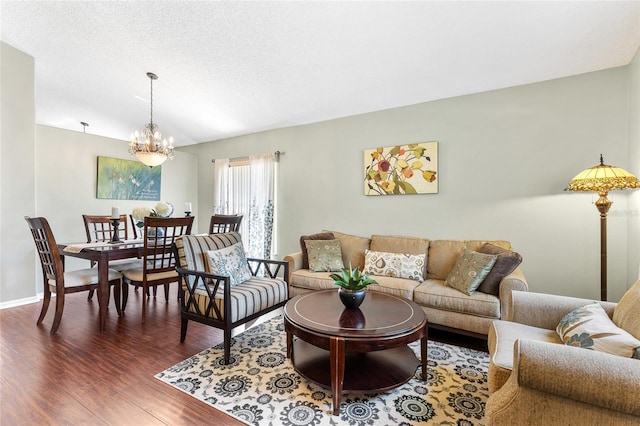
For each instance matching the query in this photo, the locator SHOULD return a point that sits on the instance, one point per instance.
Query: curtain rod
(276, 154)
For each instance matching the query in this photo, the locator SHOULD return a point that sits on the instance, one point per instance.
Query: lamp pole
(603, 205)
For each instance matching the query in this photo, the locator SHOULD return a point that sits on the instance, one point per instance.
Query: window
(239, 198)
(248, 187)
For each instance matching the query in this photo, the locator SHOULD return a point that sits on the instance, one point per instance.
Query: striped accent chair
(210, 299)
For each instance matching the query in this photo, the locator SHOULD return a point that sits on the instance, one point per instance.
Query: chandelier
(147, 144)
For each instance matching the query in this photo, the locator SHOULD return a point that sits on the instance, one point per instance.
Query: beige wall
(66, 187)
(633, 212)
(504, 158)
(17, 173)
(51, 172)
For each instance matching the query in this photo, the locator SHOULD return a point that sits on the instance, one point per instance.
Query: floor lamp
(602, 179)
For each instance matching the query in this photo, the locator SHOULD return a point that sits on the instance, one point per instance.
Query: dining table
(102, 253)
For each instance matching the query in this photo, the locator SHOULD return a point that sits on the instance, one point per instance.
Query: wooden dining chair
(158, 262)
(99, 228)
(223, 223)
(136, 232)
(56, 280)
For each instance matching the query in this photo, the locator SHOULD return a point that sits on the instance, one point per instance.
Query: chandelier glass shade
(147, 144)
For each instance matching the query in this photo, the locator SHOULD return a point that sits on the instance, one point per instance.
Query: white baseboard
(20, 302)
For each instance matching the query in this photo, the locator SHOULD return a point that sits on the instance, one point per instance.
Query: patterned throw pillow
(230, 261)
(470, 270)
(397, 265)
(324, 255)
(303, 246)
(590, 327)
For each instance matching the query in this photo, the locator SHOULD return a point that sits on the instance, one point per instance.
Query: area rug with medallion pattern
(261, 387)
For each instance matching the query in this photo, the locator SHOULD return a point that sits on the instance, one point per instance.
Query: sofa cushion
(434, 294)
(401, 287)
(397, 265)
(626, 314)
(308, 280)
(304, 278)
(353, 248)
(443, 254)
(324, 255)
(398, 244)
(470, 270)
(303, 247)
(248, 298)
(590, 327)
(502, 336)
(506, 263)
(230, 261)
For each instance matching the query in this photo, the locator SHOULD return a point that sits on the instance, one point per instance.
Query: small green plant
(351, 279)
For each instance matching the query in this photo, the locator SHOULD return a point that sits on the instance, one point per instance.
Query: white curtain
(261, 209)
(220, 185)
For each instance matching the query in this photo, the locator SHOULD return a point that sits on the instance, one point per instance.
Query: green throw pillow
(303, 247)
(470, 270)
(324, 255)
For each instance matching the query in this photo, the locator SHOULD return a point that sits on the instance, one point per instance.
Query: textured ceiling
(232, 68)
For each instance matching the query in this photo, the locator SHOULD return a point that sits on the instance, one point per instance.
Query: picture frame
(401, 169)
(119, 179)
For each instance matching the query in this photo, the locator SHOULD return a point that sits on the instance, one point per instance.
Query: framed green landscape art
(401, 169)
(127, 180)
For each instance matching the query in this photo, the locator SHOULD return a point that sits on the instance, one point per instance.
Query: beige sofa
(445, 307)
(536, 379)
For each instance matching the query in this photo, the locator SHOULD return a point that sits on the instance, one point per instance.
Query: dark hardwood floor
(82, 377)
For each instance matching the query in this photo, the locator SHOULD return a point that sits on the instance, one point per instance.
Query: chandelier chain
(151, 97)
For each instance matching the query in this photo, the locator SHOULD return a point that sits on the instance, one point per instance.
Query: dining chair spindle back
(100, 228)
(56, 280)
(158, 262)
(223, 223)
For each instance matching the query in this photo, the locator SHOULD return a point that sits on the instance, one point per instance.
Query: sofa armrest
(561, 372)
(545, 310)
(515, 281)
(295, 262)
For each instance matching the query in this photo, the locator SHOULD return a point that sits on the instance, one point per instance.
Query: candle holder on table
(115, 238)
(187, 214)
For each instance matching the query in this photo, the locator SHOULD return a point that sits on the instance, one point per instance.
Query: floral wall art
(127, 180)
(401, 169)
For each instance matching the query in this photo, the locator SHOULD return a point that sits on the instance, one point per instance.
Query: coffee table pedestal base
(361, 372)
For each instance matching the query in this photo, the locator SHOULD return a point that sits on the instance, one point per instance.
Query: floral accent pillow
(590, 327)
(470, 270)
(324, 255)
(303, 247)
(397, 265)
(230, 261)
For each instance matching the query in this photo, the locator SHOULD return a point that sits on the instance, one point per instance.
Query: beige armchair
(535, 379)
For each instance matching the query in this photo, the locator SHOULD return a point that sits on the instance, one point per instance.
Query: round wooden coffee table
(365, 349)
